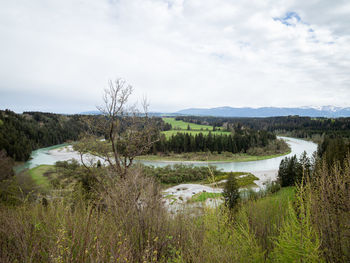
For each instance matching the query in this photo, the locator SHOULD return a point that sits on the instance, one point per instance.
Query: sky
(58, 55)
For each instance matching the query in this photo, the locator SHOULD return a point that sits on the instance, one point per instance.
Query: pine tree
(231, 192)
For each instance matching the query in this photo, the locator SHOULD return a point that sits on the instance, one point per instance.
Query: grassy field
(37, 174)
(181, 126)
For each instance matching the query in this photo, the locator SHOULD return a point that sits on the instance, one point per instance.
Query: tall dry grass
(127, 224)
(126, 221)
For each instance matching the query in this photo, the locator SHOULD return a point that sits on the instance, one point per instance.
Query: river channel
(62, 152)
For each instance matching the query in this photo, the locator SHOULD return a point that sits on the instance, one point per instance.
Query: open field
(181, 125)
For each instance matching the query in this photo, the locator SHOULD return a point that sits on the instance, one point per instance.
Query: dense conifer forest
(239, 141)
(20, 134)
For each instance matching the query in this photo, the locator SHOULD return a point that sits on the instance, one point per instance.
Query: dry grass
(127, 222)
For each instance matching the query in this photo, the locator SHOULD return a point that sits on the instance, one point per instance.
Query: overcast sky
(58, 55)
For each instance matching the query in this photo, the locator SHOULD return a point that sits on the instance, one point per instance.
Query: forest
(240, 141)
(294, 126)
(20, 134)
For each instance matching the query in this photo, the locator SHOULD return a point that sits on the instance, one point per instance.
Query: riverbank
(205, 157)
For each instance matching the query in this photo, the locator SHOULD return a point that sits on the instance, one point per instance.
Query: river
(268, 167)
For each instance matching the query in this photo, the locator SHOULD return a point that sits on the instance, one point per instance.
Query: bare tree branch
(129, 132)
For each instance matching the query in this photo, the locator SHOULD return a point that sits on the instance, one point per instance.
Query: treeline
(295, 126)
(332, 151)
(292, 170)
(240, 141)
(22, 133)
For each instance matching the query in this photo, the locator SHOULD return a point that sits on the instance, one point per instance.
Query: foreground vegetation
(104, 218)
(114, 226)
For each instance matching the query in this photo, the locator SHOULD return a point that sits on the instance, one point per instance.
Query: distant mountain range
(326, 111)
(156, 114)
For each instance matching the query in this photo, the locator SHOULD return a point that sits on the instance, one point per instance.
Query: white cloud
(194, 53)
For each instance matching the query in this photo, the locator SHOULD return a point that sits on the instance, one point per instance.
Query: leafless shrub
(129, 132)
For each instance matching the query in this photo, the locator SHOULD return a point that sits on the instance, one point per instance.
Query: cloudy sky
(58, 55)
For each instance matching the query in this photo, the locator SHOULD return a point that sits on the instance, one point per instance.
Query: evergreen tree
(231, 192)
(290, 171)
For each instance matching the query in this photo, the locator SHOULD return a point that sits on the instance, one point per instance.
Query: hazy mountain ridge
(325, 111)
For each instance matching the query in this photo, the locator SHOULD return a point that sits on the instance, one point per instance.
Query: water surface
(62, 152)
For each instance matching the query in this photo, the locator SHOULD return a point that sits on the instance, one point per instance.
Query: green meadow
(182, 127)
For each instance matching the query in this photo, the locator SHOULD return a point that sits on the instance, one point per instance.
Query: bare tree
(129, 132)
